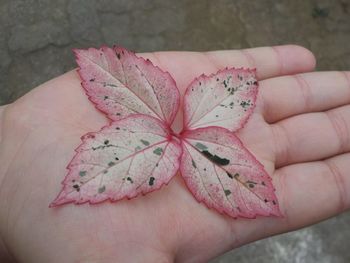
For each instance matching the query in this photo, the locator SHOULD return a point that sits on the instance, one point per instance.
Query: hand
(300, 131)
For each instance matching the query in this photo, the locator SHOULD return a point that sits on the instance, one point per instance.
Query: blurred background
(36, 38)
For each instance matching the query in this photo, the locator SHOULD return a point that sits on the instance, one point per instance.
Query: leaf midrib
(123, 84)
(224, 170)
(118, 162)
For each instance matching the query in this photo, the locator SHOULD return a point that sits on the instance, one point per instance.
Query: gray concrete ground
(36, 37)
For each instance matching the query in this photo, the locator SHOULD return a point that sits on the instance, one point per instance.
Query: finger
(2, 108)
(4, 254)
(269, 62)
(291, 95)
(315, 191)
(312, 136)
(308, 193)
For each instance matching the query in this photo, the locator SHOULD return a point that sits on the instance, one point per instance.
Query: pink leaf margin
(249, 112)
(277, 213)
(56, 202)
(144, 61)
(168, 123)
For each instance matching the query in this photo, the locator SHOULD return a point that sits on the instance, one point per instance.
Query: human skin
(300, 131)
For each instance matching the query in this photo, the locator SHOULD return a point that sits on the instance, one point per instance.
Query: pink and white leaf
(223, 174)
(225, 99)
(119, 83)
(132, 156)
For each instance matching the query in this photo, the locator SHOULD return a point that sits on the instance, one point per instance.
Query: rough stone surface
(25, 38)
(36, 38)
(322, 243)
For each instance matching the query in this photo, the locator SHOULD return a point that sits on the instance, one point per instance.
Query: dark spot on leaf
(82, 173)
(207, 154)
(236, 175)
(201, 146)
(274, 202)
(105, 97)
(251, 184)
(116, 158)
(255, 83)
(92, 80)
(157, 164)
(105, 171)
(227, 192)
(200, 83)
(118, 55)
(117, 128)
(129, 179)
(229, 175)
(216, 159)
(205, 169)
(194, 164)
(217, 79)
(151, 180)
(145, 142)
(216, 116)
(118, 114)
(225, 84)
(76, 187)
(158, 151)
(137, 148)
(106, 142)
(263, 183)
(244, 104)
(111, 163)
(265, 200)
(101, 189)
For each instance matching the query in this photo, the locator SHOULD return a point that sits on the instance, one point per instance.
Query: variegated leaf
(128, 157)
(224, 175)
(225, 99)
(119, 83)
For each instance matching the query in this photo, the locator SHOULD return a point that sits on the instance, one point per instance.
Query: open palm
(300, 131)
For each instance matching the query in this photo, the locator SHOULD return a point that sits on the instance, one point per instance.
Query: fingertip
(309, 57)
(295, 59)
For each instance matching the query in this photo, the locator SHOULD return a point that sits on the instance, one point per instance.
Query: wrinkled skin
(300, 131)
